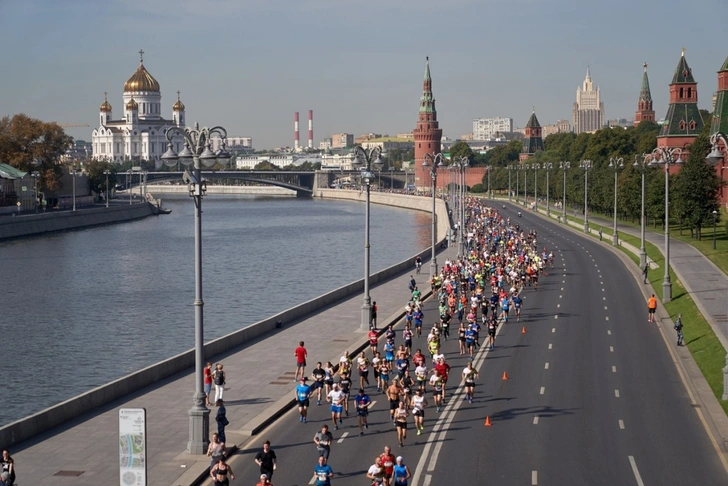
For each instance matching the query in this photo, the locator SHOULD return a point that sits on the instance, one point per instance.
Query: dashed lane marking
(614, 369)
(605, 307)
(606, 317)
(616, 393)
(611, 349)
(609, 332)
(556, 316)
(535, 420)
(343, 436)
(546, 366)
(558, 305)
(636, 471)
(534, 478)
(550, 345)
(553, 329)
(621, 424)
(543, 390)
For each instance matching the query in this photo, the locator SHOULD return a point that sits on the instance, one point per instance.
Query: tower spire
(644, 103)
(427, 102)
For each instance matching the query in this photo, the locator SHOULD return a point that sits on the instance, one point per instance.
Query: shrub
(477, 188)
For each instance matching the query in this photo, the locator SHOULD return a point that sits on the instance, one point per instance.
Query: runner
(470, 340)
(303, 391)
(362, 403)
(323, 472)
(323, 441)
(329, 378)
(469, 375)
(517, 303)
(418, 316)
(384, 371)
(345, 384)
(319, 375)
(419, 402)
(491, 332)
(388, 464)
(407, 336)
(400, 422)
(373, 340)
(421, 375)
(443, 369)
(401, 472)
(363, 365)
(376, 365)
(336, 398)
(393, 393)
(376, 472)
(436, 383)
(461, 338)
(389, 351)
(651, 308)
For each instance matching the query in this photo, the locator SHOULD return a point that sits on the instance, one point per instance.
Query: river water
(85, 307)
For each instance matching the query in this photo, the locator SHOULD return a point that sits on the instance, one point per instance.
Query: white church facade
(139, 133)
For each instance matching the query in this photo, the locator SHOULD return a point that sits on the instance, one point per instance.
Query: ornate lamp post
(460, 164)
(564, 166)
(715, 157)
(35, 174)
(435, 162)
(536, 166)
(518, 177)
(525, 168)
(489, 169)
(640, 161)
(547, 166)
(363, 161)
(73, 173)
(586, 165)
(510, 168)
(106, 173)
(615, 163)
(197, 150)
(666, 156)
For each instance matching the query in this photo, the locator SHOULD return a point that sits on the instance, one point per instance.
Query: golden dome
(141, 80)
(178, 105)
(105, 107)
(132, 105)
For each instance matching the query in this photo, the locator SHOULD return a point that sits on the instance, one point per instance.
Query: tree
(461, 149)
(29, 144)
(265, 165)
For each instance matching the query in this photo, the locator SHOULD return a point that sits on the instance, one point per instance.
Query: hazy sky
(249, 64)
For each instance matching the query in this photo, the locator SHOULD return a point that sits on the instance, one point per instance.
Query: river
(85, 307)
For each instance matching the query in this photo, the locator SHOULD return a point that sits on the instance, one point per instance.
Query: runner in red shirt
(373, 340)
(388, 464)
(300, 354)
(443, 369)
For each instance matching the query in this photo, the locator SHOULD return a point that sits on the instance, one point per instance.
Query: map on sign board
(132, 447)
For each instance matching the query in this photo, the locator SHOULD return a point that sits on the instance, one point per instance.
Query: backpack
(219, 377)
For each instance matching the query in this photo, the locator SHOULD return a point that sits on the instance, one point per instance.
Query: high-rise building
(683, 121)
(588, 112)
(534, 139)
(342, 140)
(489, 128)
(427, 133)
(644, 104)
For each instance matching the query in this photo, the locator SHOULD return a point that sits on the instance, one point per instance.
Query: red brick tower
(644, 105)
(683, 121)
(427, 134)
(533, 142)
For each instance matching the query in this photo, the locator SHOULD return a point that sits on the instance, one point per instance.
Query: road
(592, 397)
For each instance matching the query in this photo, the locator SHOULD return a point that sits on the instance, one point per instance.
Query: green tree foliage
(502, 155)
(461, 149)
(477, 188)
(265, 165)
(96, 177)
(29, 144)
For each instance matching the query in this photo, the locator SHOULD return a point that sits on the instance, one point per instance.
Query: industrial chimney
(310, 129)
(295, 131)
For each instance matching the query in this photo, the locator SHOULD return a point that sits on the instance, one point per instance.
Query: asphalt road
(592, 397)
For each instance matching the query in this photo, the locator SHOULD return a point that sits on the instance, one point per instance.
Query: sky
(248, 65)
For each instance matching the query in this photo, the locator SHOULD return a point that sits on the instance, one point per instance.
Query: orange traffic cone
(523, 331)
(505, 376)
(487, 422)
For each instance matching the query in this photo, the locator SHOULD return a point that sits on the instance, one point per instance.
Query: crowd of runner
(474, 293)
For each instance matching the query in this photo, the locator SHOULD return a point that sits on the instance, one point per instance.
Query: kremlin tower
(427, 134)
(683, 121)
(720, 124)
(644, 105)
(533, 142)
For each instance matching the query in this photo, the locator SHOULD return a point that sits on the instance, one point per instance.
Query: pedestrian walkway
(703, 280)
(259, 385)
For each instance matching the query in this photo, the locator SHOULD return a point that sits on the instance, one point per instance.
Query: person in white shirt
(336, 398)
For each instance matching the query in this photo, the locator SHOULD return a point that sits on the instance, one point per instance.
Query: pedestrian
(219, 380)
(412, 283)
(267, 461)
(401, 472)
(219, 473)
(221, 420)
(322, 472)
(216, 449)
(600, 234)
(8, 469)
(362, 403)
(388, 464)
(679, 328)
(373, 324)
(651, 308)
(323, 440)
(645, 270)
(208, 383)
(300, 354)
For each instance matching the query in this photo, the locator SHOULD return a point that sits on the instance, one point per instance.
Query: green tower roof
(645, 94)
(724, 67)
(533, 121)
(427, 102)
(683, 74)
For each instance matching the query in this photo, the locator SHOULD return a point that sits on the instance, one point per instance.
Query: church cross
(105, 93)
(177, 94)
(141, 55)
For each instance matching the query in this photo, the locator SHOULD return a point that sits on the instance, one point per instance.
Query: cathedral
(139, 133)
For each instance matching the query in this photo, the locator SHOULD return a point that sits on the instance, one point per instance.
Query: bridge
(301, 181)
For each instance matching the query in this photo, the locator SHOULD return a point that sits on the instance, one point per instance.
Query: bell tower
(644, 105)
(427, 134)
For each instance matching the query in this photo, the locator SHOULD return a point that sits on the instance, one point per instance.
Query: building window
(682, 123)
(153, 147)
(690, 92)
(692, 123)
(118, 147)
(681, 93)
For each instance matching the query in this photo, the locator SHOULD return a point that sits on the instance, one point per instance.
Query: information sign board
(132, 447)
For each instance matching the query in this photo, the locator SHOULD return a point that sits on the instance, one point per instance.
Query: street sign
(17, 203)
(132, 447)
(24, 189)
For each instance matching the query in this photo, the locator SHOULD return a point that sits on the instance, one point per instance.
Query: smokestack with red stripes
(295, 131)
(310, 129)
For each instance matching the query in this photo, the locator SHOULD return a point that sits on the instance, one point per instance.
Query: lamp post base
(643, 258)
(725, 380)
(199, 427)
(666, 291)
(586, 227)
(366, 315)
(433, 268)
(615, 239)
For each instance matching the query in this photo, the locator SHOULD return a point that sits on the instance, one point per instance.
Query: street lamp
(489, 169)
(666, 156)
(510, 168)
(643, 167)
(460, 164)
(518, 179)
(363, 160)
(525, 184)
(435, 162)
(106, 173)
(35, 174)
(564, 166)
(536, 167)
(615, 163)
(547, 166)
(128, 184)
(716, 156)
(197, 149)
(586, 165)
(73, 173)
(715, 220)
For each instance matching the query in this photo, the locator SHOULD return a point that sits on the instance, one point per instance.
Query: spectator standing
(221, 420)
(219, 380)
(300, 354)
(679, 328)
(208, 383)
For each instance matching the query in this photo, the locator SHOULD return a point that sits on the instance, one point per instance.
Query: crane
(71, 125)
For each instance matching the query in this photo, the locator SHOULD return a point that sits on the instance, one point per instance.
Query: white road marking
(602, 290)
(604, 298)
(313, 480)
(601, 283)
(558, 305)
(605, 307)
(616, 393)
(606, 317)
(550, 345)
(534, 478)
(621, 424)
(561, 296)
(535, 420)
(553, 329)
(343, 436)
(428, 480)
(543, 390)
(371, 405)
(562, 289)
(614, 369)
(563, 281)
(611, 349)
(556, 316)
(546, 366)
(636, 471)
(596, 265)
(609, 332)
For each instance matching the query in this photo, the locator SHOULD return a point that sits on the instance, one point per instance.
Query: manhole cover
(341, 340)
(280, 383)
(73, 474)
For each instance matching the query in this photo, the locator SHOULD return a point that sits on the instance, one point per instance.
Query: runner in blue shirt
(517, 303)
(362, 402)
(470, 340)
(418, 315)
(401, 472)
(303, 391)
(389, 351)
(323, 472)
